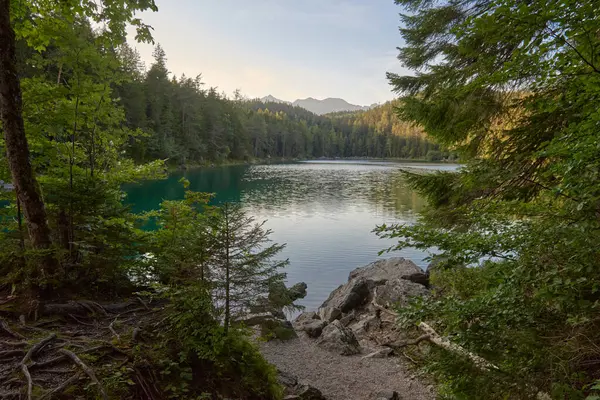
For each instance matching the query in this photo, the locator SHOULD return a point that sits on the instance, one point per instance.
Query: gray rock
(287, 380)
(387, 395)
(369, 323)
(307, 392)
(398, 292)
(382, 270)
(381, 353)
(313, 329)
(298, 291)
(348, 319)
(339, 339)
(330, 314)
(419, 277)
(296, 390)
(349, 296)
(307, 316)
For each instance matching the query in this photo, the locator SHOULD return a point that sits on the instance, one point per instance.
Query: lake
(324, 211)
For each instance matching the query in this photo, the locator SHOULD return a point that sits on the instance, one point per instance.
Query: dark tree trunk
(17, 150)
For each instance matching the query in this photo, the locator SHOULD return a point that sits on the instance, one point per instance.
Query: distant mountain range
(320, 107)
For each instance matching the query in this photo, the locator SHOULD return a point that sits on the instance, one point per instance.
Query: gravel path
(343, 377)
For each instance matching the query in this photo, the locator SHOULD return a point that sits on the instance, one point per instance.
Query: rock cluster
(355, 318)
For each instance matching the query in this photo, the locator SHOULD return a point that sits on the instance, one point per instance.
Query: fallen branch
(399, 345)
(445, 343)
(86, 369)
(142, 302)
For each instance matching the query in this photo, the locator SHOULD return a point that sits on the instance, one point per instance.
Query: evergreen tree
(243, 267)
(514, 86)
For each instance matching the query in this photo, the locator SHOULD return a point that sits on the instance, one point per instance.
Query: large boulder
(330, 314)
(307, 316)
(314, 328)
(397, 291)
(388, 269)
(349, 296)
(339, 339)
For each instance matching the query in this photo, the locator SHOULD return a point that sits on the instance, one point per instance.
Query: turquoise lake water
(324, 211)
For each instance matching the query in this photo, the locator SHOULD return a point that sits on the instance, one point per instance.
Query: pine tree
(243, 268)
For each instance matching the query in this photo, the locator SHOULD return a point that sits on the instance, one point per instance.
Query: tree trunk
(227, 271)
(17, 151)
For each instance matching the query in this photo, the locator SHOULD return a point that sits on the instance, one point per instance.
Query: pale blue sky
(288, 48)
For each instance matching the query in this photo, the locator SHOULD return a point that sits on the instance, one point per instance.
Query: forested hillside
(186, 122)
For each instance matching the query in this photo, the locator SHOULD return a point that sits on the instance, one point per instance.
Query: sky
(287, 48)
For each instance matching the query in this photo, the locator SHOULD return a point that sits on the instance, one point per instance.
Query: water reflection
(324, 211)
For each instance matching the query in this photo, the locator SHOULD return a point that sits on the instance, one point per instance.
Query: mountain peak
(320, 107)
(328, 105)
(272, 99)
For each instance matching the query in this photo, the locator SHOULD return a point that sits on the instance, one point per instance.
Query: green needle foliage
(515, 87)
(89, 128)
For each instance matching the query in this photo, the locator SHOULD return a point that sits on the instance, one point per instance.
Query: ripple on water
(324, 211)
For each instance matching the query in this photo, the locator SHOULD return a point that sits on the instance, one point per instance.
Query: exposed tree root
(61, 387)
(29, 380)
(80, 321)
(47, 359)
(90, 372)
(4, 327)
(13, 344)
(37, 347)
(112, 330)
(10, 353)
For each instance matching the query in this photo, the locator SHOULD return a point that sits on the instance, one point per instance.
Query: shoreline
(345, 350)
